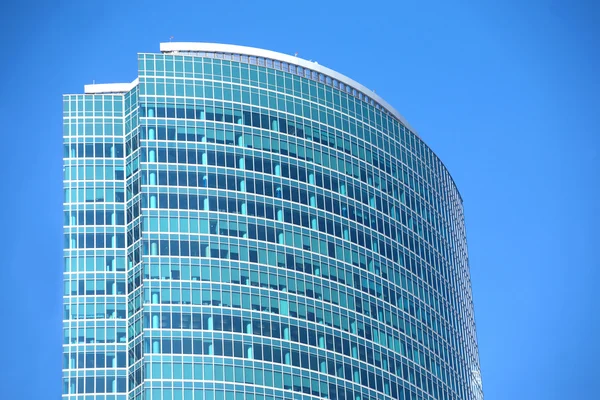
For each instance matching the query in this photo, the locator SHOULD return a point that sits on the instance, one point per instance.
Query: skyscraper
(245, 224)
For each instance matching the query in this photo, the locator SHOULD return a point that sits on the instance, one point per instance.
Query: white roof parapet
(110, 87)
(175, 47)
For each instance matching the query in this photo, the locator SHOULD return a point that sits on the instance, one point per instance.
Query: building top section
(310, 68)
(104, 88)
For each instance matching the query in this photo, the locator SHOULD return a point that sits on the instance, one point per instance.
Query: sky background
(505, 92)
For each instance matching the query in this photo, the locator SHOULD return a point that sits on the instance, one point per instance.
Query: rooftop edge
(176, 47)
(110, 87)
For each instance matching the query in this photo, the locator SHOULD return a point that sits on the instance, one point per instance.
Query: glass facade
(240, 227)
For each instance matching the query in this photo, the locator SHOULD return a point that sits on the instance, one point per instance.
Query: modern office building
(245, 224)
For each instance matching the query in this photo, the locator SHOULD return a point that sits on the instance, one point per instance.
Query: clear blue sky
(506, 92)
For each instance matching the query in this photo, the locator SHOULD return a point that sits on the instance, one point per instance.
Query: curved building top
(310, 69)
